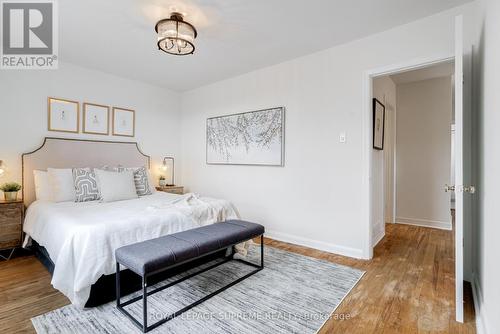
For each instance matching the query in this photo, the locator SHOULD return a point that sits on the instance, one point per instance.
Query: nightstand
(179, 190)
(11, 225)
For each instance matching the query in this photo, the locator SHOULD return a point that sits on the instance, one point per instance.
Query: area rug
(292, 294)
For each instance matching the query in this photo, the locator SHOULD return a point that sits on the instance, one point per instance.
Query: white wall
(384, 89)
(23, 110)
(486, 162)
(318, 198)
(423, 154)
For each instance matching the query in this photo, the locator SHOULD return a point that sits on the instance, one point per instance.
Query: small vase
(163, 183)
(10, 195)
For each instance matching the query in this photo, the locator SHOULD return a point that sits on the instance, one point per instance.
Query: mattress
(80, 238)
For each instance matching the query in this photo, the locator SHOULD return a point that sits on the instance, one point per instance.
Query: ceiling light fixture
(176, 36)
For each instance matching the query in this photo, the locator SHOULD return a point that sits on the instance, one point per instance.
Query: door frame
(367, 182)
(393, 191)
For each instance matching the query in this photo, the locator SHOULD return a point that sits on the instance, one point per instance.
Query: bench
(156, 255)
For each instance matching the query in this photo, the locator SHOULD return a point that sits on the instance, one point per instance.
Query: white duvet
(81, 237)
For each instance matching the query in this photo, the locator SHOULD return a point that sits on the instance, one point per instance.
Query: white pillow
(42, 186)
(116, 186)
(61, 184)
(120, 168)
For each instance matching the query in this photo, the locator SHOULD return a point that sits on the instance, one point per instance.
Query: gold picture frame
(94, 128)
(123, 122)
(61, 119)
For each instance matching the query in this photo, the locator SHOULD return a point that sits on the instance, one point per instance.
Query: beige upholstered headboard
(68, 153)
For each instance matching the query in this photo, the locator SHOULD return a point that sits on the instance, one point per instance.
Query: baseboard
(478, 298)
(378, 237)
(424, 222)
(320, 245)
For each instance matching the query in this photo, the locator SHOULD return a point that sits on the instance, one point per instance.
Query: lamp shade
(176, 36)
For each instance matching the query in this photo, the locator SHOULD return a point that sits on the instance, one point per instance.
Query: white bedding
(81, 237)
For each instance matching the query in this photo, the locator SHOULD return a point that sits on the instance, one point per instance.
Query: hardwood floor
(408, 287)
(25, 292)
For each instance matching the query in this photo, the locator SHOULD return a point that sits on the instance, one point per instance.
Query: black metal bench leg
(117, 284)
(144, 326)
(262, 251)
(144, 305)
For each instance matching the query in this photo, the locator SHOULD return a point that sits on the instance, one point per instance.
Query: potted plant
(163, 181)
(10, 190)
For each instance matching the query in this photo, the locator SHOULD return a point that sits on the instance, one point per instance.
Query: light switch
(342, 137)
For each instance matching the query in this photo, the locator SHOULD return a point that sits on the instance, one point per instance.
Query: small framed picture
(63, 115)
(123, 122)
(95, 119)
(378, 124)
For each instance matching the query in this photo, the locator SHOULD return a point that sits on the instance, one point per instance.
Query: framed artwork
(250, 138)
(123, 122)
(378, 124)
(95, 119)
(63, 115)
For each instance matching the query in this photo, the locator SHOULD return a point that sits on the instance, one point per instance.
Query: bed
(76, 241)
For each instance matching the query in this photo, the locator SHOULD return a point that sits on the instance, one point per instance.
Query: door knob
(448, 188)
(470, 189)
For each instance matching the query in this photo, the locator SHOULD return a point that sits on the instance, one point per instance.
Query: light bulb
(164, 167)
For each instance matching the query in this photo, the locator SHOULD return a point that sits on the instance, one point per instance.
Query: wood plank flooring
(408, 287)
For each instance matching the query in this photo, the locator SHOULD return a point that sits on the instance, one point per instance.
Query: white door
(463, 188)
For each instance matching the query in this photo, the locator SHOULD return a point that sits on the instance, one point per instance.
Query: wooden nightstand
(179, 190)
(11, 225)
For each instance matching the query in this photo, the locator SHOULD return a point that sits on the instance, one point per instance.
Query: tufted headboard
(68, 153)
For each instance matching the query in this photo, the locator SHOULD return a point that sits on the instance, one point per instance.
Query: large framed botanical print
(249, 138)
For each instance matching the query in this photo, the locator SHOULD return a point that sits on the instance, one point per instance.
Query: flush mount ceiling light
(176, 36)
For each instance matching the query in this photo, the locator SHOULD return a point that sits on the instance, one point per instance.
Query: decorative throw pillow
(141, 180)
(85, 185)
(151, 182)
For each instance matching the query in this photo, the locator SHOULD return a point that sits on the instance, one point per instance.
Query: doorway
(379, 201)
(413, 169)
(462, 168)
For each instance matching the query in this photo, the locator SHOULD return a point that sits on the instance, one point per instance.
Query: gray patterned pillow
(141, 181)
(85, 185)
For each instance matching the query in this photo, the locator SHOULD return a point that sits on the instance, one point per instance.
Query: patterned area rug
(292, 294)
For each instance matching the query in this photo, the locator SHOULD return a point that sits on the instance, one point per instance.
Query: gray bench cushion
(159, 253)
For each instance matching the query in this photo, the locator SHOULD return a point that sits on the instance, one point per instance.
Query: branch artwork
(252, 138)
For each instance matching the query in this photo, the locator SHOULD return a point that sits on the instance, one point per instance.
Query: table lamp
(2, 168)
(165, 167)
